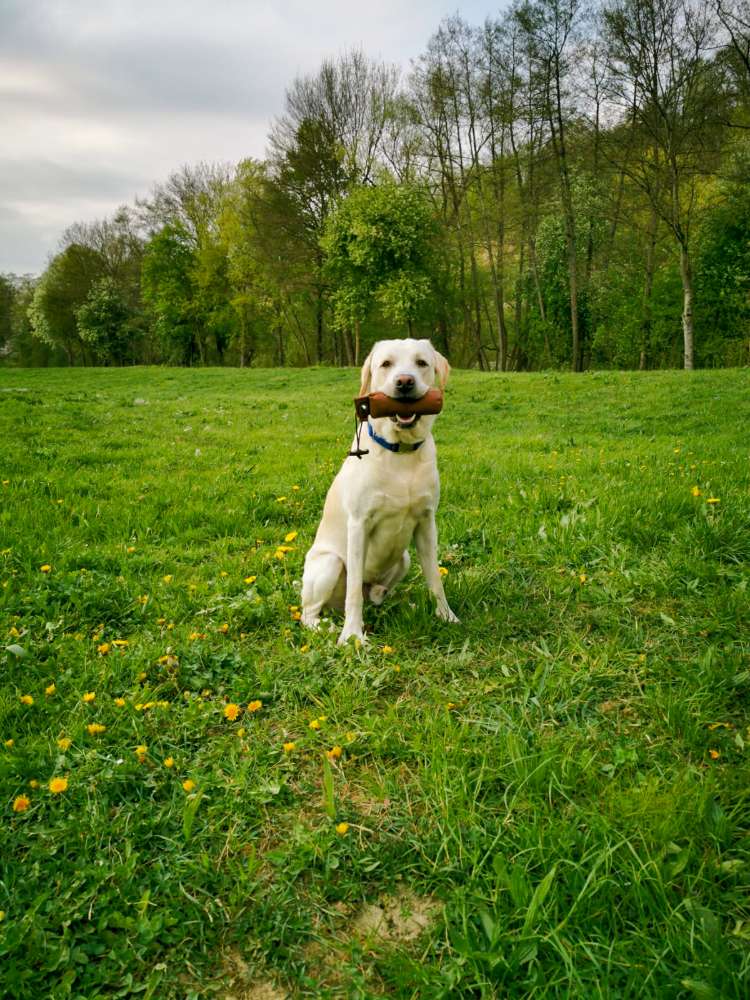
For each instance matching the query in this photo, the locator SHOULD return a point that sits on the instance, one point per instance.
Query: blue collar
(399, 446)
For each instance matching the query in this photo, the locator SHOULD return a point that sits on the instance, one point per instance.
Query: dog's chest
(395, 512)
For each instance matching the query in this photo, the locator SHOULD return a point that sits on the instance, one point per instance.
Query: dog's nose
(404, 383)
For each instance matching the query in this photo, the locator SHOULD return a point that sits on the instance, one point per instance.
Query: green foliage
(444, 207)
(167, 287)
(379, 251)
(548, 800)
(723, 270)
(103, 321)
(60, 293)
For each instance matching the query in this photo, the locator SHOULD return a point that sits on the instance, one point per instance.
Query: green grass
(532, 797)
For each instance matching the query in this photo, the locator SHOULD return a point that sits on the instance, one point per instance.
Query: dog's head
(404, 369)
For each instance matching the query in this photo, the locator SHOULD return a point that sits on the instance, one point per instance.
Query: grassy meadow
(199, 799)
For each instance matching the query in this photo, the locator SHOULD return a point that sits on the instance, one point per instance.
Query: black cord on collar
(358, 452)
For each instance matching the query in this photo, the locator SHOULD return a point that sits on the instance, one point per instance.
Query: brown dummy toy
(377, 404)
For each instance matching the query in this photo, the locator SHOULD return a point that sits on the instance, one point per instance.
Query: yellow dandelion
(143, 600)
(45, 569)
(250, 579)
(388, 649)
(130, 549)
(169, 761)
(58, 785)
(64, 743)
(103, 649)
(168, 578)
(314, 724)
(89, 696)
(21, 803)
(140, 751)
(280, 499)
(14, 633)
(231, 711)
(241, 731)
(714, 754)
(255, 706)
(188, 784)
(290, 536)
(196, 635)
(8, 744)
(50, 689)
(696, 491)
(296, 615)
(443, 570)
(280, 554)
(120, 702)
(582, 577)
(224, 628)
(161, 621)
(342, 829)
(295, 487)
(27, 699)
(713, 500)
(288, 747)
(305, 648)
(33, 783)
(334, 753)
(120, 643)
(94, 728)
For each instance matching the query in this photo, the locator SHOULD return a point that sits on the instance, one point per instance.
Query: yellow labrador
(378, 503)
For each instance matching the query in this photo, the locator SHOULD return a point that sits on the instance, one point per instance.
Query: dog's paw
(309, 620)
(447, 615)
(350, 633)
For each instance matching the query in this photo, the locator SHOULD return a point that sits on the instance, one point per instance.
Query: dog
(378, 503)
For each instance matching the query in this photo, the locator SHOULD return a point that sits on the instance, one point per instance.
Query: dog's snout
(405, 383)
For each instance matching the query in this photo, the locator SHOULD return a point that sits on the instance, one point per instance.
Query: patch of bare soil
(243, 984)
(400, 918)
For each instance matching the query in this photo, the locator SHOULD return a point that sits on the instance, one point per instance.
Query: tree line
(565, 185)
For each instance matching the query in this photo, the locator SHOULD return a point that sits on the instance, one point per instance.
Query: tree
(61, 291)
(660, 53)
(551, 27)
(326, 141)
(103, 321)
(168, 292)
(7, 298)
(378, 253)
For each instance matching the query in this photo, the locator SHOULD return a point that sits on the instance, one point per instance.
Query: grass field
(551, 799)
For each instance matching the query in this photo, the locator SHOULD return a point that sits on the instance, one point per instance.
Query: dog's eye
(422, 363)
(386, 364)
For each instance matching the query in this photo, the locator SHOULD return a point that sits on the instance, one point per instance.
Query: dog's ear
(442, 369)
(366, 378)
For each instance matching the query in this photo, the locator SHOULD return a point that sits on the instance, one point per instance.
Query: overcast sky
(101, 99)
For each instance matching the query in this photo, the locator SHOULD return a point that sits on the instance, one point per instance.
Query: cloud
(100, 99)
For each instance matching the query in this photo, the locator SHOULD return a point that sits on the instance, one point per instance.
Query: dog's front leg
(425, 538)
(355, 568)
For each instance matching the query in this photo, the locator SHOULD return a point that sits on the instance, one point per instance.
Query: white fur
(377, 504)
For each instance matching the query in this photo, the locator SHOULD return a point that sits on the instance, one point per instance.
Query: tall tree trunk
(686, 273)
(648, 287)
(319, 325)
